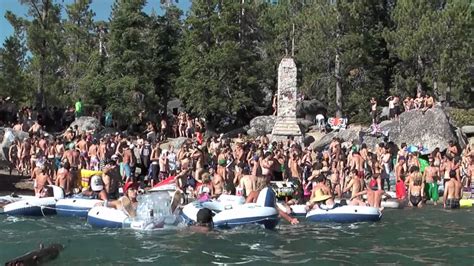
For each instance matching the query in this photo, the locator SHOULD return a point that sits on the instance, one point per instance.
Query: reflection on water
(427, 236)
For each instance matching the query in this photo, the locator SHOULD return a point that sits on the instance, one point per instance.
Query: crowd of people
(215, 166)
(422, 101)
(207, 168)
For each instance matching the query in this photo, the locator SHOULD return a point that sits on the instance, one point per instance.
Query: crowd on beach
(207, 168)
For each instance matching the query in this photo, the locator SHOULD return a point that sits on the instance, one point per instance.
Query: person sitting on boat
(321, 194)
(262, 183)
(355, 185)
(96, 189)
(206, 190)
(128, 203)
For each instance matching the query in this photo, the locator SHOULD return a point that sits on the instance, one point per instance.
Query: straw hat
(320, 196)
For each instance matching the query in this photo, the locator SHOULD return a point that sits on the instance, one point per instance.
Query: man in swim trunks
(63, 179)
(431, 176)
(452, 192)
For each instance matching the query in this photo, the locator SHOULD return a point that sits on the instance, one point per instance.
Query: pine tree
(219, 70)
(128, 81)
(79, 42)
(13, 80)
(44, 41)
(164, 36)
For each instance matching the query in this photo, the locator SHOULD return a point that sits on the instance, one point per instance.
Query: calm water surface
(412, 236)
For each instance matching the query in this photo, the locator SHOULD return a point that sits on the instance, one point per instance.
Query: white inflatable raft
(78, 207)
(344, 214)
(388, 203)
(154, 211)
(230, 211)
(341, 214)
(33, 206)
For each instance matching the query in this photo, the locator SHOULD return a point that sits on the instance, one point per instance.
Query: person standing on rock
(373, 110)
(78, 109)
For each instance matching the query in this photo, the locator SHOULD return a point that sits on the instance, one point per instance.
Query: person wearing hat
(96, 189)
(321, 194)
(128, 203)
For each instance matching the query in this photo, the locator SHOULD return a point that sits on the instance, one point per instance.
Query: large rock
(468, 130)
(304, 124)
(431, 129)
(310, 107)
(262, 125)
(176, 143)
(8, 135)
(235, 132)
(87, 123)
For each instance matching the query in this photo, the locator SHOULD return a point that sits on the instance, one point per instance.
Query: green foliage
(461, 117)
(219, 64)
(222, 59)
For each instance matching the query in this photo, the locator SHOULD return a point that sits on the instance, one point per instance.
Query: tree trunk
(448, 94)
(337, 70)
(419, 87)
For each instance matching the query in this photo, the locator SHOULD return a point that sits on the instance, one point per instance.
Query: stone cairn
(286, 124)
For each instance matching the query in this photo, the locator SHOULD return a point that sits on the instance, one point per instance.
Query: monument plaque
(286, 124)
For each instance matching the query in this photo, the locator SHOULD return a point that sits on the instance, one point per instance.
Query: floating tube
(466, 203)
(388, 203)
(232, 213)
(154, 211)
(33, 206)
(345, 214)
(78, 207)
(103, 217)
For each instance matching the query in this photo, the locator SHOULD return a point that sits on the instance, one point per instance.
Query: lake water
(411, 236)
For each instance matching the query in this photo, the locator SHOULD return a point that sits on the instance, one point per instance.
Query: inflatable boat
(231, 211)
(34, 206)
(344, 214)
(466, 203)
(339, 214)
(78, 207)
(386, 203)
(154, 211)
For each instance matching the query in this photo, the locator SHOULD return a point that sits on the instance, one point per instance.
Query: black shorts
(452, 204)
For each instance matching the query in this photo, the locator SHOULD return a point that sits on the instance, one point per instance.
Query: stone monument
(286, 124)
